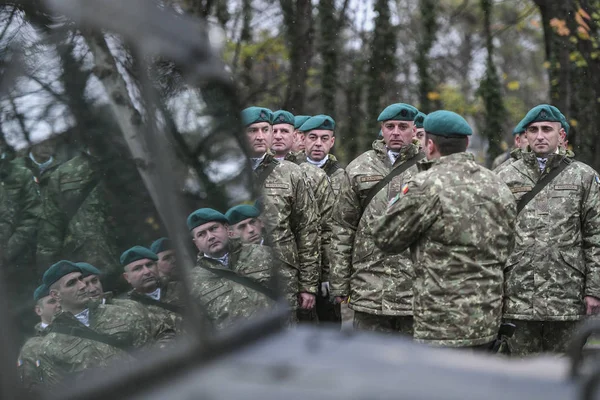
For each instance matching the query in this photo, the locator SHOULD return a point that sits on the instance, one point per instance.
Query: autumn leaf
(560, 26)
(433, 96)
(581, 22)
(582, 33)
(573, 122)
(513, 85)
(546, 64)
(583, 13)
(535, 23)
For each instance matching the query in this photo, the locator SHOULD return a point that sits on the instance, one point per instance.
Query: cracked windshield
(173, 172)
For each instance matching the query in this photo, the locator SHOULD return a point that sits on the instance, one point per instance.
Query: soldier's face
(43, 151)
(319, 144)
(142, 275)
(248, 230)
(544, 137)
(521, 141)
(46, 308)
(211, 238)
(420, 135)
(283, 139)
(166, 264)
(71, 292)
(397, 134)
(259, 137)
(93, 287)
(299, 142)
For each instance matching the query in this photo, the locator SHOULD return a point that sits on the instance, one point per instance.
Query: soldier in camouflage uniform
(379, 284)
(41, 163)
(319, 183)
(290, 213)
(75, 220)
(45, 307)
(86, 333)
(319, 138)
(458, 261)
(510, 156)
(245, 223)
(20, 208)
(552, 276)
(419, 130)
(225, 300)
(167, 260)
(164, 300)
(299, 136)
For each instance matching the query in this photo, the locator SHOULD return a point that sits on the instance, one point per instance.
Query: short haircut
(447, 145)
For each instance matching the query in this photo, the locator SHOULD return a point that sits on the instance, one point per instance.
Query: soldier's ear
(126, 277)
(38, 310)
(55, 294)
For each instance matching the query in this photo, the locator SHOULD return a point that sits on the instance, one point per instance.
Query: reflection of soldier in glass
(41, 162)
(75, 218)
(19, 212)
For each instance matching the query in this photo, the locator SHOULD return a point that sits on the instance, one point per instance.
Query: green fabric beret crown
(137, 253)
(446, 123)
(398, 112)
(58, 270)
(203, 216)
(239, 213)
(160, 245)
(543, 112)
(41, 292)
(252, 115)
(519, 129)
(299, 120)
(419, 120)
(321, 121)
(283, 117)
(88, 269)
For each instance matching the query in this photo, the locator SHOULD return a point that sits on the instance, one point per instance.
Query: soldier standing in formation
(167, 260)
(552, 277)
(458, 262)
(379, 285)
(245, 223)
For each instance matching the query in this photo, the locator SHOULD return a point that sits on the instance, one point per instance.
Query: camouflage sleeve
(25, 232)
(345, 218)
(305, 225)
(152, 330)
(590, 220)
(409, 215)
(52, 225)
(325, 197)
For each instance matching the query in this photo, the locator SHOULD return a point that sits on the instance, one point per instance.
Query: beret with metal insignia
(253, 115)
(283, 117)
(398, 112)
(321, 122)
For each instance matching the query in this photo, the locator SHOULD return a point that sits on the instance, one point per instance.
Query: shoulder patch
(566, 187)
(277, 185)
(371, 178)
(404, 188)
(520, 189)
(394, 200)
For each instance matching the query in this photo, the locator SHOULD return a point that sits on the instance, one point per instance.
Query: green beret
(41, 292)
(299, 120)
(204, 216)
(137, 253)
(160, 245)
(88, 269)
(252, 115)
(419, 120)
(239, 213)
(321, 121)
(283, 117)
(565, 124)
(58, 270)
(398, 112)
(446, 123)
(543, 112)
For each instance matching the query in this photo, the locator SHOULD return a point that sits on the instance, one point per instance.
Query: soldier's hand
(341, 299)
(307, 301)
(592, 305)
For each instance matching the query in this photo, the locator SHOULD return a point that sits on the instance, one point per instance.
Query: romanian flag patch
(404, 188)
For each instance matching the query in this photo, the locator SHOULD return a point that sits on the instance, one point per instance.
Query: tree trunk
(429, 26)
(328, 50)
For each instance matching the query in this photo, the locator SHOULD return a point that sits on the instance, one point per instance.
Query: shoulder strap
(388, 178)
(331, 168)
(244, 281)
(86, 333)
(148, 301)
(527, 197)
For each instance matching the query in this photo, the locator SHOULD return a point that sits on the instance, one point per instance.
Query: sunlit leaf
(513, 85)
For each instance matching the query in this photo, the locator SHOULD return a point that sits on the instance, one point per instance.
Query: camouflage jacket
(75, 223)
(515, 155)
(378, 283)
(42, 179)
(320, 184)
(502, 158)
(63, 354)
(458, 219)
(169, 309)
(335, 173)
(225, 302)
(556, 259)
(20, 209)
(291, 218)
(28, 356)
